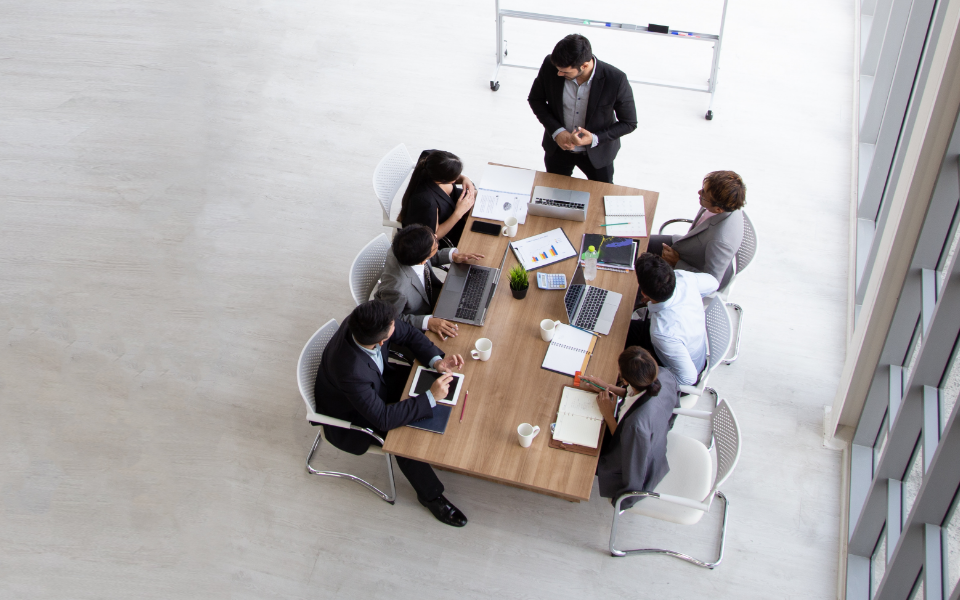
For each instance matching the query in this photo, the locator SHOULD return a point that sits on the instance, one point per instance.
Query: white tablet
(425, 377)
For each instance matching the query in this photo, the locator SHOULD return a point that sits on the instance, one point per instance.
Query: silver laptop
(467, 292)
(559, 204)
(589, 307)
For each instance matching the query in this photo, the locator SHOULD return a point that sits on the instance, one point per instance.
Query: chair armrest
(368, 432)
(706, 415)
(394, 224)
(325, 420)
(678, 500)
(685, 502)
(689, 389)
(671, 221)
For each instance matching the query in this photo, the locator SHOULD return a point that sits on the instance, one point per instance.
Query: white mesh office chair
(745, 254)
(307, 368)
(688, 490)
(388, 177)
(367, 268)
(719, 334)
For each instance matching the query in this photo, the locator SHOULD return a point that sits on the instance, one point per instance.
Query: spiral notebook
(579, 420)
(569, 351)
(628, 210)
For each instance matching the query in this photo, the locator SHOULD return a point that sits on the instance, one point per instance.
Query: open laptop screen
(574, 293)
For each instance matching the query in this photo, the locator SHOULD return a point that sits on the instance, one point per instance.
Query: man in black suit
(357, 384)
(585, 105)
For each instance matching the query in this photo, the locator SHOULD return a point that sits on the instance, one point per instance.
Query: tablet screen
(426, 378)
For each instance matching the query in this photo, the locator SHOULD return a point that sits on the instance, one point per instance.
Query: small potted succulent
(519, 282)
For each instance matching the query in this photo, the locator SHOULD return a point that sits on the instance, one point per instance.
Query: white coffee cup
(548, 329)
(510, 229)
(483, 350)
(526, 432)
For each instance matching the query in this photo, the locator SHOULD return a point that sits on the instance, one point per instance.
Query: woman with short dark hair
(432, 198)
(633, 455)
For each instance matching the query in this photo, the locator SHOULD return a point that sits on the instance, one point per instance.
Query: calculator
(551, 281)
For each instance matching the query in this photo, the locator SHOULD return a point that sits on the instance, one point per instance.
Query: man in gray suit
(715, 234)
(633, 455)
(408, 281)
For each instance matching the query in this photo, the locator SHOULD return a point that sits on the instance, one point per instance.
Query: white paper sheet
(579, 419)
(508, 179)
(504, 192)
(625, 209)
(497, 206)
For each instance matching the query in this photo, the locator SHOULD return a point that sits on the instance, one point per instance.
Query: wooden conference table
(511, 388)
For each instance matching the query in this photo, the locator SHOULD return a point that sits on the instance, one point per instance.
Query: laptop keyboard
(472, 294)
(590, 311)
(559, 203)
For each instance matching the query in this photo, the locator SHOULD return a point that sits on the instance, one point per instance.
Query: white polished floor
(184, 186)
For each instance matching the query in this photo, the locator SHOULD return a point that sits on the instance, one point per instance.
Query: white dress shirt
(628, 402)
(678, 326)
(421, 271)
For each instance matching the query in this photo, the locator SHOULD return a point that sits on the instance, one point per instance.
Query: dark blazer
(350, 387)
(611, 112)
(410, 299)
(634, 459)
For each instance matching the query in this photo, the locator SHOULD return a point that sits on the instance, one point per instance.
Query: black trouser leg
(422, 477)
(604, 174)
(655, 245)
(639, 335)
(560, 162)
(419, 474)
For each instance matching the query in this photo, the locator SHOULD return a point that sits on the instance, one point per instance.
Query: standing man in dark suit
(585, 105)
(357, 384)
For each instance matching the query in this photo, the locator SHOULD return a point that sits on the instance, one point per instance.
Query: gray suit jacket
(710, 246)
(401, 286)
(634, 459)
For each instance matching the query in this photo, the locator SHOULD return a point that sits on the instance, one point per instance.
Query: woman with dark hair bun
(432, 198)
(633, 456)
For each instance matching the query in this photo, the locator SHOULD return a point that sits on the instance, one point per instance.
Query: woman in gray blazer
(715, 234)
(633, 456)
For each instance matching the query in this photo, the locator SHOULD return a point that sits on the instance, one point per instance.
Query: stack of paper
(504, 192)
(579, 419)
(628, 210)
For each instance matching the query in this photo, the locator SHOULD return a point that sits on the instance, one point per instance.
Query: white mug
(548, 329)
(510, 229)
(483, 350)
(526, 432)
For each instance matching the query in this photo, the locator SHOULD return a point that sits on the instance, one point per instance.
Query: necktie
(427, 283)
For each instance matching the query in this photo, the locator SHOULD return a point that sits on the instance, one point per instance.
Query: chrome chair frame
(727, 432)
(307, 367)
(617, 511)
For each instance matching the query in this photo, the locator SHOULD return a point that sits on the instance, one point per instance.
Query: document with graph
(543, 250)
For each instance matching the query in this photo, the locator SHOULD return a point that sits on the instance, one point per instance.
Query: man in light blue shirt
(674, 328)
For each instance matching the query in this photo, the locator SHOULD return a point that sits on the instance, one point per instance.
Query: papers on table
(579, 419)
(625, 209)
(543, 249)
(569, 351)
(503, 192)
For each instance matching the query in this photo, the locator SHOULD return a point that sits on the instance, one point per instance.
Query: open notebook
(625, 209)
(569, 351)
(579, 419)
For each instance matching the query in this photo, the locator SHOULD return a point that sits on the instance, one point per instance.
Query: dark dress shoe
(444, 511)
